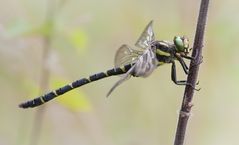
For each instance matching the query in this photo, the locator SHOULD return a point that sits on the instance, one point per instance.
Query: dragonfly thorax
(165, 51)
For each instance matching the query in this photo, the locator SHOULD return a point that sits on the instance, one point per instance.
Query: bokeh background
(46, 44)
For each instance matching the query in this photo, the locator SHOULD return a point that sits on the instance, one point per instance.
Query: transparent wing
(146, 37)
(124, 77)
(146, 64)
(143, 67)
(126, 55)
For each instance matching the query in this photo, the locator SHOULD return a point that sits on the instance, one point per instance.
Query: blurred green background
(73, 39)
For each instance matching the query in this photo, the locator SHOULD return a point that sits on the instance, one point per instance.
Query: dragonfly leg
(174, 76)
(183, 64)
(181, 82)
(194, 58)
(190, 57)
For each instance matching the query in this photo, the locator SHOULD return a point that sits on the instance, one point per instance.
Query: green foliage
(24, 28)
(73, 100)
(78, 38)
(18, 27)
(44, 30)
(32, 89)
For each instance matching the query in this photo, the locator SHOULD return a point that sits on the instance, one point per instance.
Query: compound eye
(179, 43)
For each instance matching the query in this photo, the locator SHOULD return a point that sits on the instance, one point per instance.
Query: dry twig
(193, 73)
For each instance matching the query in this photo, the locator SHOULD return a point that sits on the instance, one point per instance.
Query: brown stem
(193, 73)
(44, 78)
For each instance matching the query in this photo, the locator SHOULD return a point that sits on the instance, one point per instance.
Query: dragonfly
(139, 62)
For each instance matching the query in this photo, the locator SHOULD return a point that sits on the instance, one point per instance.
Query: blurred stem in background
(45, 74)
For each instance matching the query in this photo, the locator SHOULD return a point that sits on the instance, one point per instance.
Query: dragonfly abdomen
(53, 94)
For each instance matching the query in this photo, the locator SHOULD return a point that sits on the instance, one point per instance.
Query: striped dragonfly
(139, 62)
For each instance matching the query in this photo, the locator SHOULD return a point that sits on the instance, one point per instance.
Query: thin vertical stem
(193, 74)
(44, 78)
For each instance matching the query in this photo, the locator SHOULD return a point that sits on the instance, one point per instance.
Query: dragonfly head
(182, 44)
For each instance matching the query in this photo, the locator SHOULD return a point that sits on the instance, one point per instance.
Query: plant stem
(45, 74)
(193, 74)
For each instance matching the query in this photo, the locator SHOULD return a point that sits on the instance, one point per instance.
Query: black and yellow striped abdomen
(53, 94)
(164, 52)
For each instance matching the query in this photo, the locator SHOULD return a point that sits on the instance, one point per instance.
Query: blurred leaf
(43, 30)
(32, 89)
(18, 27)
(21, 27)
(73, 100)
(78, 39)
